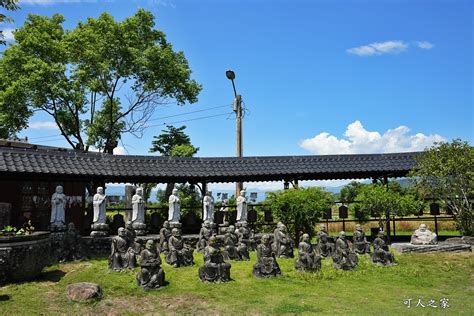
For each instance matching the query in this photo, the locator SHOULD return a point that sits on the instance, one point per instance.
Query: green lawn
(367, 290)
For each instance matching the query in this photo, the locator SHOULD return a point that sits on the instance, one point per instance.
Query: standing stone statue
(243, 241)
(282, 244)
(215, 269)
(165, 234)
(343, 258)
(180, 254)
(174, 212)
(151, 275)
(58, 206)
(123, 255)
(325, 246)
(72, 249)
(99, 227)
(138, 212)
(242, 207)
(307, 260)
(382, 254)
(208, 207)
(131, 236)
(204, 234)
(266, 266)
(360, 244)
(423, 236)
(231, 242)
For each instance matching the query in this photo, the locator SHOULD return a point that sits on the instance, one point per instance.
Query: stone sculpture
(215, 269)
(180, 254)
(72, 244)
(99, 227)
(246, 235)
(208, 207)
(151, 275)
(282, 243)
(241, 207)
(123, 255)
(423, 236)
(138, 213)
(231, 242)
(58, 205)
(382, 254)
(174, 211)
(266, 266)
(307, 260)
(343, 258)
(360, 244)
(165, 234)
(204, 234)
(325, 247)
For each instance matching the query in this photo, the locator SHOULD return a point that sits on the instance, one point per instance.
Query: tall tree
(98, 81)
(9, 5)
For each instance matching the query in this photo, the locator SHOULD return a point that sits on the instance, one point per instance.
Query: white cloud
(119, 150)
(379, 48)
(43, 125)
(425, 45)
(358, 140)
(8, 34)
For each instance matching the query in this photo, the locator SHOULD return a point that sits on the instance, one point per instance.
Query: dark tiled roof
(54, 164)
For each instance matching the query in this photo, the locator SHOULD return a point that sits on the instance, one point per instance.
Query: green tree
(98, 81)
(445, 172)
(299, 209)
(9, 5)
(350, 191)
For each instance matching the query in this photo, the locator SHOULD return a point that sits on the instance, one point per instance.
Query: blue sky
(317, 77)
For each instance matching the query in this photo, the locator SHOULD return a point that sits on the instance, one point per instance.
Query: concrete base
(441, 247)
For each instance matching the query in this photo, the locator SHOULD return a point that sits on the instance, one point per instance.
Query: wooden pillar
(286, 185)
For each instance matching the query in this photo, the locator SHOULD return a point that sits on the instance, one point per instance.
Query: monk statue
(231, 242)
(58, 205)
(138, 212)
(151, 275)
(99, 226)
(282, 243)
(360, 244)
(204, 234)
(165, 234)
(72, 244)
(214, 269)
(307, 260)
(325, 247)
(423, 236)
(382, 254)
(266, 266)
(174, 211)
(180, 254)
(343, 258)
(208, 207)
(241, 207)
(123, 255)
(246, 235)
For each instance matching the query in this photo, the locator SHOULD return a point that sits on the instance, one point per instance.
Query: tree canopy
(9, 5)
(97, 81)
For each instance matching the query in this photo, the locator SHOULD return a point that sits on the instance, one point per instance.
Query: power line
(191, 112)
(43, 137)
(189, 120)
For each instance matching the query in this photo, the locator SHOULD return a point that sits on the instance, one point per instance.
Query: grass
(368, 290)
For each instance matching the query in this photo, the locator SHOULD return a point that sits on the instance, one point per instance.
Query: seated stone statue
(204, 234)
(360, 245)
(382, 254)
(165, 234)
(131, 237)
(123, 255)
(180, 254)
(423, 236)
(72, 244)
(214, 269)
(266, 266)
(151, 275)
(307, 260)
(325, 247)
(343, 258)
(282, 243)
(230, 245)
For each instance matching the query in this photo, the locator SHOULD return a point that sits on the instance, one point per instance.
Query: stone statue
(58, 205)
(231, 242)
(72, 244)
(165, 234)
(174, 212)
(382, 254)
(180, 254)
(307, 260)
(208, 207)
(282, 243)
(99, 227)
(245, 235)
(343, 258)
(138, 212)
(131, 236)
(204, 234)
(123, 255)
(360, 244)
(325, 247)
(225, 210)
(423, 236)
(243, 241)
(266, 266)
(242, 207)
(214, 269)
(151, 275)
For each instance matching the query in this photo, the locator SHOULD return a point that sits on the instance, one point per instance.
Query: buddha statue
(180, 254)
(151, 275)
(360, 245)
(165, 234)
(325, 247)
(214, 268)
(266, 266)
(423, 236)
(282, 243)
(230, 244)
(204, 234)
(307, 260)
(343, 258)
(382, 254)
(123, 254)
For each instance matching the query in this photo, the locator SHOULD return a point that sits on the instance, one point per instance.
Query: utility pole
(237, 105)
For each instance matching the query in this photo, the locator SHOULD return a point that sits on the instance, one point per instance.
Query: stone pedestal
(100, 230)
(140, 229)
(56, 236)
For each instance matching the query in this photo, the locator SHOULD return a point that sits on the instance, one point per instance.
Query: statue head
(150, 244)
(212, 240)
(279, 224)
(322, 227)
(206, 224)
(100, 190)
(358, 227)
(176, 232)
(422, 227)
(244, 224)
(231, 229)
(166, 224)
(139, 191)
(121, 232)
(59, 189)
(381, 234)
(175, 191)
(305, 238)
(342, 234)
(242, 193)
(238, 224)
(71, 226)
(266, 239)
(129, 225)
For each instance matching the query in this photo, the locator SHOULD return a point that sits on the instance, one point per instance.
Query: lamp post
(238, 111)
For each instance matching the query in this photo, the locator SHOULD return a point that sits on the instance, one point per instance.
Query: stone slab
(441, 247)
